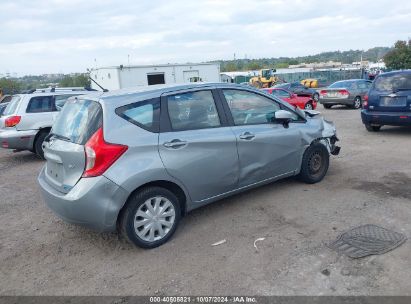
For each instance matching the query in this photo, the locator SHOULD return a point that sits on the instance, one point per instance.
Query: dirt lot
(368, 183)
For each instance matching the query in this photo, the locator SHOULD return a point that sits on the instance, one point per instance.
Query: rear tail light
(343, 92)
(12, 121)
(100, 155)
(365, 102)
(323, 92)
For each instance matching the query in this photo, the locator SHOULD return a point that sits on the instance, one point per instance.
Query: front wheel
(316, 97)
(314, 164)
(150, 217)
(308, 106)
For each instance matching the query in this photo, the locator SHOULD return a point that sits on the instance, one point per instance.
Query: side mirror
(283, 117)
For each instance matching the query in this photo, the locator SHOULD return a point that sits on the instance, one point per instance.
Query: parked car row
(137, 160)
(384, 101)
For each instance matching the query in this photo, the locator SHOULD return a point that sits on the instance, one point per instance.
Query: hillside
(350, 56)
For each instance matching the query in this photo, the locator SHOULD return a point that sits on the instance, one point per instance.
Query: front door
(266, 150)
(196, 147)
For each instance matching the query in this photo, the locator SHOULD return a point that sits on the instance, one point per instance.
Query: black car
(299, 89)
(388, 101)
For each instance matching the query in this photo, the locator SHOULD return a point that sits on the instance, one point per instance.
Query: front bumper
(18, 140)
(93, 202)
(386, 118)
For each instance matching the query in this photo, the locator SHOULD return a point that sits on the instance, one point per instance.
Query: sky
(64, 36)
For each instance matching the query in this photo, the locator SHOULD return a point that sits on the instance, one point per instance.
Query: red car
(303, 102)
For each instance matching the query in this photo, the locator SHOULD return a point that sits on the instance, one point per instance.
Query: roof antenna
(104, 90)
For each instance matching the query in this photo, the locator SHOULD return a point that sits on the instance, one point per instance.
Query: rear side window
(193, 110)
(144, 114)
(40, 104)
(393, 83)
(78, 121)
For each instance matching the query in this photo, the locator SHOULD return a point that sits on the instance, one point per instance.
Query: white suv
(28, 118)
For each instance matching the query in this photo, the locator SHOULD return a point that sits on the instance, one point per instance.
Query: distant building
(119, 77)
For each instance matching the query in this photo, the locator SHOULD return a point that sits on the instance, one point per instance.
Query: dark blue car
(388, 101)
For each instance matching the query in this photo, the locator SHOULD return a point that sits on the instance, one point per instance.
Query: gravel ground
(368, 183)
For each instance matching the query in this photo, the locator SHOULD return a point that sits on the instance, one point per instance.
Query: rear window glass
(339, 84)
(144, 114)
(12, 106)
(393, 83)
(78, 120)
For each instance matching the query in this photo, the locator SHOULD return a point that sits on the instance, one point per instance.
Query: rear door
(196, 145)
(64, 147)
(38, 113)
(391, 93)
(266, 150)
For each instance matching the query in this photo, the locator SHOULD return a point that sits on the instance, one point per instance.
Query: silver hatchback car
(138, 160)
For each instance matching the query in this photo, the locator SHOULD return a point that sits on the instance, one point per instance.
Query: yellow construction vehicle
(265, 79)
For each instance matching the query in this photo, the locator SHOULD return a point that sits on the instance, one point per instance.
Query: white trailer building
(119, 77)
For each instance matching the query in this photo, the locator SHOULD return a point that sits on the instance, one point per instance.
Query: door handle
(247, 136)
(175, 143)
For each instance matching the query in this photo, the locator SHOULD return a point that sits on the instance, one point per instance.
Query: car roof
(158, 90)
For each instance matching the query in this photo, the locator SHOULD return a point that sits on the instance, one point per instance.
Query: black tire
(315, 163)
(316, 97)
(327, 106)
(373, 128)
(38, 144)
(128, 214)
(357, 103)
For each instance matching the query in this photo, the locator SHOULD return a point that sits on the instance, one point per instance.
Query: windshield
(12, 106)
(393, 83)
(78, 121)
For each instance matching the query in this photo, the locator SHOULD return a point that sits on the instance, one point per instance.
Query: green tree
(9, 86)
(399, 57)
(81, 80)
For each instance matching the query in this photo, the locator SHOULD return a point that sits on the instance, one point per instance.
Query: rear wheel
(38, 144)
(316, 96)
(373, 128)
(327, 106)
(150, 217)
(315, 163)
(356, 103)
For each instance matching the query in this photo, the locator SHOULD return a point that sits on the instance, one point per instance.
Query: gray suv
(140, 159)
(27, 118)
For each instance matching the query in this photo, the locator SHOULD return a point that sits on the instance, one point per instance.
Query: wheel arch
(43, 129)
(171, 186)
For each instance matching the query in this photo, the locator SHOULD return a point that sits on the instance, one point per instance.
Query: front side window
(40, 104)
(193, 110)
(144, 114)
(250, 108)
